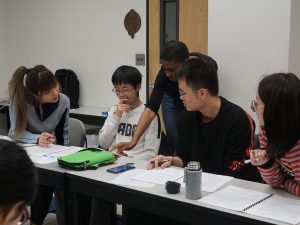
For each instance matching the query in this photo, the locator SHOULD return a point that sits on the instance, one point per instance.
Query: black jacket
(221, 145)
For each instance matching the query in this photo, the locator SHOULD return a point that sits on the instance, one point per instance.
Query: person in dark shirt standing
(212, 130)
(165, 93)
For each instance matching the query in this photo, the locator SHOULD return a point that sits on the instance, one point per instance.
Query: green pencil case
(88, 158)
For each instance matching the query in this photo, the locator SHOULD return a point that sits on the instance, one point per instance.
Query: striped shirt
(284, 171)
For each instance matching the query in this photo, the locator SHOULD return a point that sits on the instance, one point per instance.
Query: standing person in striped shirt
(277, 106)
(39, 114)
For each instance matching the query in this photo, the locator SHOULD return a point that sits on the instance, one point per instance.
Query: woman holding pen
(39, 115)
(277, 106)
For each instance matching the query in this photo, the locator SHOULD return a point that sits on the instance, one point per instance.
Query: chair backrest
(77, 133)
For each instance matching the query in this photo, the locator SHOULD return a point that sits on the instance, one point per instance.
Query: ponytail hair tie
(25, 76)
(24, 79)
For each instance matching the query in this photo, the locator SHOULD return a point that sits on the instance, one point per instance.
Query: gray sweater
(56, 123)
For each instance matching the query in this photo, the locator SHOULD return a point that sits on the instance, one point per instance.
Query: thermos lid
(193, 165)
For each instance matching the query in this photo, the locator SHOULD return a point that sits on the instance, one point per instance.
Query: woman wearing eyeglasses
(277, 106)
(18, 183)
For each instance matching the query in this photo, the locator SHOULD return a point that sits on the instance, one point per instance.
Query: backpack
(69, 85)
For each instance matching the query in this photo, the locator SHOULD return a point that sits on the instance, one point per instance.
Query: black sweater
(163, 85)
(221, 145)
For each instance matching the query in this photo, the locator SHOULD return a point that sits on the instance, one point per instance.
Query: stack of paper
(44, 155)
(256, 203)
(125, 179)
(210, 182)
(160, 176)
(148, 178)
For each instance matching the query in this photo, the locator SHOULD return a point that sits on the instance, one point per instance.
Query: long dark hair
(280, 93)
(26, 86)
(18, 177)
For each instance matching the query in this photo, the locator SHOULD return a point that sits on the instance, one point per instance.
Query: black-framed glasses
(254, 105)
(183, 94)
(123, 90)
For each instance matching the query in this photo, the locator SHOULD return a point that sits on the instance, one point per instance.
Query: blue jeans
(171, 109)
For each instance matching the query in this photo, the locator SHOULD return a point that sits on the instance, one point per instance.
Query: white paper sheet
(69, 150)
(42, 159)
(234, 198)
(49, 154)
(278, 208)
(41, 151)
(160, 176)
(125, 179)
(210, 182)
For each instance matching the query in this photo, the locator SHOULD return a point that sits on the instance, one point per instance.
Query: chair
(77, 137)
(77, 133)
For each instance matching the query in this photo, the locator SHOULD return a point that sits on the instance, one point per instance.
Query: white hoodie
(121, 129)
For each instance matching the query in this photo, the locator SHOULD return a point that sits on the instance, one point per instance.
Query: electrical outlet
(140, 59)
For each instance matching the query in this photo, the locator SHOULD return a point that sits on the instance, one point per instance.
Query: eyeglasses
(183, 94)
(123, 91)
(25, 216)
(254, 106)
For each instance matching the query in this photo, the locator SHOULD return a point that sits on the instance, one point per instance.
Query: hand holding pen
(258, 157)
(159, 161)
(46, 139)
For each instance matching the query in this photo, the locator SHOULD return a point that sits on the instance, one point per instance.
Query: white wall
(86, 36)
(3, 78)
(248, 39)
(294, 56)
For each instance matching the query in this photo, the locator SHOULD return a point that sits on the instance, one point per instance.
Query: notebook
(256, 203)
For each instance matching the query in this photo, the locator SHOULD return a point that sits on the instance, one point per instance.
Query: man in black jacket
(212, 130)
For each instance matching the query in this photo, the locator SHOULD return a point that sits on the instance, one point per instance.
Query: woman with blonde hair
(39, 114)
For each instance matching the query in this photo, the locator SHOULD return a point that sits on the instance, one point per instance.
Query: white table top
(4, 102)
(90, 110)
(159, 190)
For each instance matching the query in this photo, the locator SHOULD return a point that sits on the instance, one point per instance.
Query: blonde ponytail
(17, 95)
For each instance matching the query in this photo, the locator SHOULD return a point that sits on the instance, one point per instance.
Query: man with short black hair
(166, 93)
(212, 130)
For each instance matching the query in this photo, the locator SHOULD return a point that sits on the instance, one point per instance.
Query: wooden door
(193, 24)
(192, 30)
